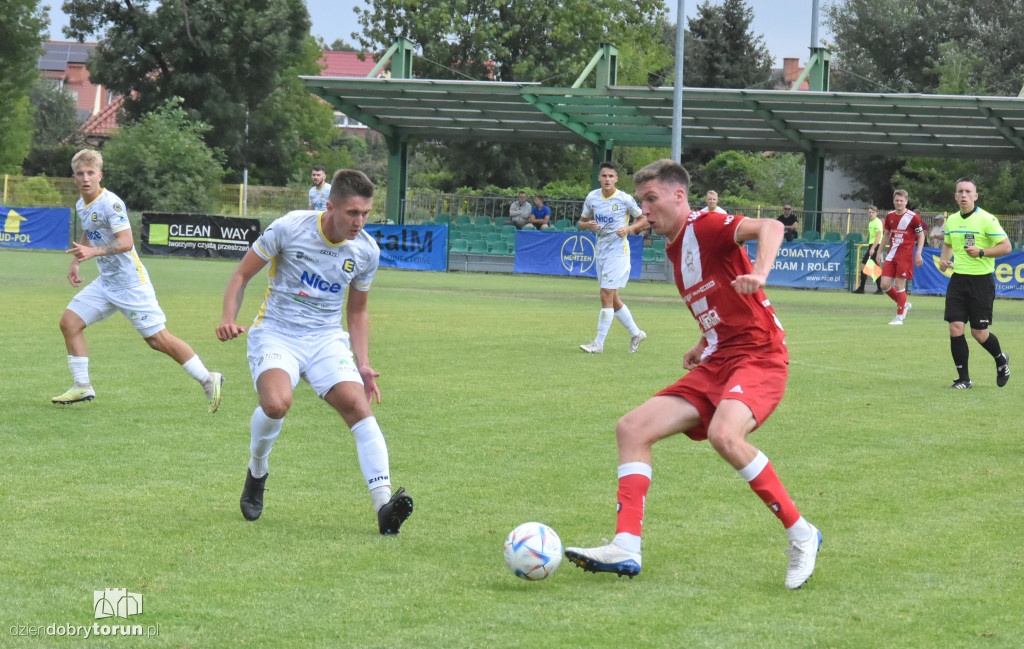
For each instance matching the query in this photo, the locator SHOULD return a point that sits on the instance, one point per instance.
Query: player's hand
(81, 252)
(370, 383)
(74, 277)
(919, 260)
(229, 331)
(691, 358)
(748, 284)
(944, 264)
(622, 232)
(973, 251)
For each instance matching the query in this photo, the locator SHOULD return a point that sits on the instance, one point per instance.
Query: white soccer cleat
(593, 347)
(802, 558)
(634, 342)
(75, 395)
(906, 309)
(213, 390)
(607, 558)
(898, 320)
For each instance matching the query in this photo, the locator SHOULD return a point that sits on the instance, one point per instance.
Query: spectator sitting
(937, 235)
(789, 220)
(519, 211)
(540, 216)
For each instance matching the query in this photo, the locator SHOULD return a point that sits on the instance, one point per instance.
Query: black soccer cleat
(961, 384)
(1003, 371)
(394, 512)
(252, 496)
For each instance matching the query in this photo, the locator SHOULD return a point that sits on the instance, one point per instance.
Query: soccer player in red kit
(737, 375)
(902, 229)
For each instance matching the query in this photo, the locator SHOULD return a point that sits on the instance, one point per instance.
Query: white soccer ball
(533, 551)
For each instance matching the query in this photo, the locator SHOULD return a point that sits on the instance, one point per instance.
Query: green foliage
(722, 51)
(34, 191)
(15, 134)
(50, 160)
(56, 120)
(756, 178)
(931, 181)
(23, 25)
(162, 163)
(233, 63)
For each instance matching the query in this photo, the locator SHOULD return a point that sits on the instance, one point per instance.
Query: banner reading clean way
(41, 228)
(567, 253)
(198, 235)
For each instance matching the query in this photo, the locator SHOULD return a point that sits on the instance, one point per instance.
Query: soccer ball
(533, 551)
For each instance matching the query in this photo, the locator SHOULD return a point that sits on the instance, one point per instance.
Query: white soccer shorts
(97, 302)
(613, 272)
(324, 359)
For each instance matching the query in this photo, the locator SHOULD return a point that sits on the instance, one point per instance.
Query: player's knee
(630, 430)
(275, 406)
(71, 324)
(724, 440)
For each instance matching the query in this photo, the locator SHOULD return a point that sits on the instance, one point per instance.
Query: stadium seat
(460, 246)
(443, 218)
(529, 227)
(472, 235)
(499, 248)
(650, 254)
(486, 228)
(463, 219)
(482, 219)
(562, 224)
(508, 229)
(476, 247)
(658, 243)
(494, 237)
(832, 237)
(811, 235)
(855, 237)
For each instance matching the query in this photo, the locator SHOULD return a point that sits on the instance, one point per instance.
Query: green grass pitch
(493, 417)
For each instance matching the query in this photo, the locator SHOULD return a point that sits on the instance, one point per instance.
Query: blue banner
(807, 265)
(928, 279)
(567, 253)
(415, 247)
(43, 228)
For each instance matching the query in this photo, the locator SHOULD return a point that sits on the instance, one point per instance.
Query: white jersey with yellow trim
(101, 220)
(611, 214)
(308, 274)
(318, 197)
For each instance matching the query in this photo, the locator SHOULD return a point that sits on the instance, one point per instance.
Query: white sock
(373, 454)
(626, 318)
(604, 323)
(195, 368)
(263, 431)
(800, 531)
(380, 496)
(79, 366)
(628, 542)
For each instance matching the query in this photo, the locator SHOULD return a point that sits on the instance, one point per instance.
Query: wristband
(981, 252)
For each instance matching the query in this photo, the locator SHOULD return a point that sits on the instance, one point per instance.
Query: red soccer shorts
(758, 381)
(899, 267)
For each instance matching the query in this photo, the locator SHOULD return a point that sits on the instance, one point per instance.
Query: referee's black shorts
(969, 298)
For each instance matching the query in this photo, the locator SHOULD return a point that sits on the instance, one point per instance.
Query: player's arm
(918, 259)
(945, 256)
(1002, 248)
(636, 227)
(769, 234)
(73, 275)
(251, 264)
(122, 242)
(886, 235)
(358, 318)
(691, 358)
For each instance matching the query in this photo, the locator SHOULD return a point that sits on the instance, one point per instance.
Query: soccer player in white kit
(320, 192)
(123, 285)
(607, 211)
(314, 257)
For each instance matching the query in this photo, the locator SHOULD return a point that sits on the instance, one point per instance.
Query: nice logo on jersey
(314, 280)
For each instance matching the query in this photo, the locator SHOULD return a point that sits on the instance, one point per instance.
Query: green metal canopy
(722, 119)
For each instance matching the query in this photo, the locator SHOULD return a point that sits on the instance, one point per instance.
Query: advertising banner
(40, 228)
(928, 279)
(567, 253)
(198, 235)
(807, 265)
(416, 247)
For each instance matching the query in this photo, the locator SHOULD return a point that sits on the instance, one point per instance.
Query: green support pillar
(814, 162)
(607, 75)
(398, 146)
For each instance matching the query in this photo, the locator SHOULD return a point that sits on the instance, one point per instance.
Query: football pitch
(494, 417)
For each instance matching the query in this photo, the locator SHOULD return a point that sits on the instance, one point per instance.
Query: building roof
(906, 125)
(345, 64)
(103, 123)
(58, 54)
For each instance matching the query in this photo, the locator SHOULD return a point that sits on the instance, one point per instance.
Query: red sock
(769, 488)
(632, 497)
(892, 293)
(901, 301)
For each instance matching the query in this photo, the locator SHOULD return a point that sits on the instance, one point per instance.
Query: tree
(755, 178)
(722, 51)
(23, 24)
(233, 64)
(339, 45)
(545, 41)
(56, 118)
(161, 162)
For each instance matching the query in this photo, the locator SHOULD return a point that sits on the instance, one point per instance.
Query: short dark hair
(350, 182)
(665, 170)
(320, 168)
(966, 179)
(608, 164)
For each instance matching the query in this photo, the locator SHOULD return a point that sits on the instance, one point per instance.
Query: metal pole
(814, 24)
(677, 91)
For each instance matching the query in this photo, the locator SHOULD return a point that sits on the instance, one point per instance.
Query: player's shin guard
(263, 432)
(604, 323)
(766, 484)
(634, 481)
(991, 345)
(373, 453)
(624, 316)
(901, 301)
(892, 294)
(961, 355)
